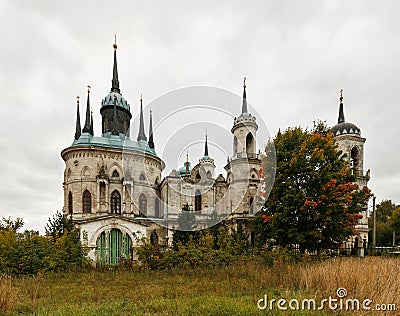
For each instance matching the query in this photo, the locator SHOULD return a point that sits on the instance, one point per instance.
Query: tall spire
(78, 120)
(151, 141)
(91, 122)
(141, 135)
(206, 147)
(115, 128)
(115, 81)
(87, 128)
(187, 163)
(341, 112)
(244, 104)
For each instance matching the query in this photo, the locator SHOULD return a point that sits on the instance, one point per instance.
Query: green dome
(119, 100)
(182, 170)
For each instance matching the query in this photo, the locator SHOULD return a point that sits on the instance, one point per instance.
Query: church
(116, 194)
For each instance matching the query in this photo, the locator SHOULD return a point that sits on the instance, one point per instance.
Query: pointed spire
(115, 81)
(187, 163)
(115, 129)
(87, 128)
(341, 112)
(141, 135)
(206, 147)
(91, 122)
(78, 120)
(244, 104)
(151, 141)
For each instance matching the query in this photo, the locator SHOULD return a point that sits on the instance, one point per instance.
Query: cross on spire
(115, 81)
(88, 126)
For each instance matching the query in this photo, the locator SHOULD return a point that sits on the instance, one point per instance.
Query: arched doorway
(111, 246)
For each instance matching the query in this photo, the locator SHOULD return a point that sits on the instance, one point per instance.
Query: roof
(119, 100)
(120, 141)
(182, 170)
(345, 128)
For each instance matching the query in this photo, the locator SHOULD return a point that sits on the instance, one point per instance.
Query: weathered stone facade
(348, 138)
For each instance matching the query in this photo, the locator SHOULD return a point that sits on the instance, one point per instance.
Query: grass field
(231, 290)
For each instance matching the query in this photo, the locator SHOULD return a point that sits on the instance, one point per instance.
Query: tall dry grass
(232, 290)
(7, 294)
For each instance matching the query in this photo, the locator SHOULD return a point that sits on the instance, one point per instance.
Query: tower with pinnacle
(349, 140)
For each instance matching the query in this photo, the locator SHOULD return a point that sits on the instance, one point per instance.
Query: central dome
(345, 128)
(119, 100)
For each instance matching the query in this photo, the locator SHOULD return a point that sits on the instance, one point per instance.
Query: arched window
(142, 177)
(157, 207)
(250, 144)
(197, 201)
(143, 205)
(209, 175)
(102, 192)
(251, 205)
(87, 202)
(354, 160)
(70, 210)
(115, 202)
(115, 174)
(235, 144)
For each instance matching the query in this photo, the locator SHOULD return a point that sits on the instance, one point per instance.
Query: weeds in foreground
(232, 290)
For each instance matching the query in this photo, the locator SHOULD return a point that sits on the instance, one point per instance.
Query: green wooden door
(110, 250)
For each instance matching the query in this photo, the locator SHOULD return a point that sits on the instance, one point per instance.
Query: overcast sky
(297, 55)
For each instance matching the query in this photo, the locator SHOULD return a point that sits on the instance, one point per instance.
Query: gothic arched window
(197, 201)
(354, 160)
(250, 144)
(157, 207)
(70, 210)
(235, 145)
(115, 174)
(115, 202)
(143, 204)
(251, 205)
(87, 202)
(142, 177)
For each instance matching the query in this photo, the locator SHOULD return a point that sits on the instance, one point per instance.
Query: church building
(116, 194)
(113, 185)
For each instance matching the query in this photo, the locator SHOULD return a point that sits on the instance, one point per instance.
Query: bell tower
(242, 168)
(348, 138)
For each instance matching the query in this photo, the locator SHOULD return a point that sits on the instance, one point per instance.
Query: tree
(314, 202)
(59, 224)
(186, 227)
(394, 221)
(384, 231)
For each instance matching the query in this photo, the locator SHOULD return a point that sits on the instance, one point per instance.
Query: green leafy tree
(59, 224)
(314, 202)
(394, 222)
(384, 229)
(186, 227)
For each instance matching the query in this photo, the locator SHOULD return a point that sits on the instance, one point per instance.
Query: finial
(341, 111)
(141, 98)
(115, 41)
(88, 89)
(244, 82)
(187, 155)
(77, 99)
